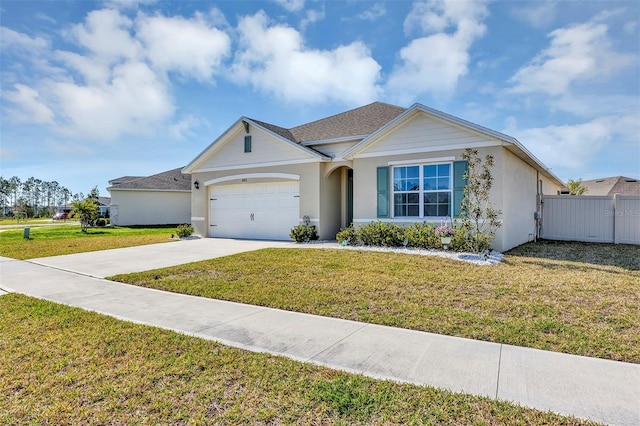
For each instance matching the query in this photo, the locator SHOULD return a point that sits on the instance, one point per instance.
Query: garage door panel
(259, 210)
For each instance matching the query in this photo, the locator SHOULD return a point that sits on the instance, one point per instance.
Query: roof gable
(226, 152)
(612, 185)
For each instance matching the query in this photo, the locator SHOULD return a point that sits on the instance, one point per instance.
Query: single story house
(103, 206)
(160, 199)
(612, 185)
(376, 162)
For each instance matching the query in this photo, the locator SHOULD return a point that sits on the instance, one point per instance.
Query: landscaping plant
(303, 233)
(183, 231)
(478, 218)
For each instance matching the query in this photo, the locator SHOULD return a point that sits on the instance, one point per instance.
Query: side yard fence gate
(603, 219)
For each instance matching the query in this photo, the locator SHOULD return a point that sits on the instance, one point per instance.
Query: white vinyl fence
(602, 219)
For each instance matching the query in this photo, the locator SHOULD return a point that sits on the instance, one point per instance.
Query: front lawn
(62, 365)
(576, 298)
(66, 239)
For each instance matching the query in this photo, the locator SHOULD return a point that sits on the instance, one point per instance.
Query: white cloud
(568, 148)
(29, 106)
(274, 60)
(435, 63)
(10, 39)
(377, 11)
(135, 101)
(291, 5)
(576, 54)
(311, 17)
(114, 80)
(189, 46)
(184, 127)
(106, 34)
(538, 15)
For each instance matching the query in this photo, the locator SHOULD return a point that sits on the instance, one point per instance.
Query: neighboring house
(160, 199)
(103, 206)
(376, 162)
(612, 185)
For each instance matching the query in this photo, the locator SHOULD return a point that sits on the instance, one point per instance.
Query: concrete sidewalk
(601, 390)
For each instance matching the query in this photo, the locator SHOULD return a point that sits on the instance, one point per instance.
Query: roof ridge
(348, 111)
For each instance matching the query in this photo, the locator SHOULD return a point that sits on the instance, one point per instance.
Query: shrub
(303, 233)
(421, 235)
(349, 234)
(382, 234)
(184, 230)
(101, 222)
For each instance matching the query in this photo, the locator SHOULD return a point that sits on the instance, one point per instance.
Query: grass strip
(58, 240)
(532, 300)
(63, 365)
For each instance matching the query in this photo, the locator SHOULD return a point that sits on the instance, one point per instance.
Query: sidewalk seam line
(334, 344)
(66, 270)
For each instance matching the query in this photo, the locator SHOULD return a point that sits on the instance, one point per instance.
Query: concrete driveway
(106, 263)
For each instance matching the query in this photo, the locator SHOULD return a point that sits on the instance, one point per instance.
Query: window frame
(421, 191)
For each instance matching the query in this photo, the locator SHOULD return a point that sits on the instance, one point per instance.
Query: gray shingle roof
(356, 122)
(612, 185)
(123, 179)
(171, 180)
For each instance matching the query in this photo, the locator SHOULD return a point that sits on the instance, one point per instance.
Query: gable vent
(247, 143)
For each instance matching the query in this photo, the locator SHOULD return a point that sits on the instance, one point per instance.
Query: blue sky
(91, 91)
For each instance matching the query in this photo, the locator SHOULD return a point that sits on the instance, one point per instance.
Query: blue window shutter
(247, 143)
(383, 191)
(459, 182)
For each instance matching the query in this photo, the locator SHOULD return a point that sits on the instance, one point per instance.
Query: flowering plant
(444, 231)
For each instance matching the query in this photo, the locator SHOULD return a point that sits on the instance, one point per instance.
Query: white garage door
(265, 211)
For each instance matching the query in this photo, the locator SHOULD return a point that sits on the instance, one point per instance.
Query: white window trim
(422, 161)
(421, 191)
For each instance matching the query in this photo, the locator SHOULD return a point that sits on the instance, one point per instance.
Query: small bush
(382, 234)
(422, 235)
(101, 222)
(349, 234)
(184, 230)
(303, 233)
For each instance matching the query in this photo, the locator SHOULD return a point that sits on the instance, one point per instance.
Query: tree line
(34, 197)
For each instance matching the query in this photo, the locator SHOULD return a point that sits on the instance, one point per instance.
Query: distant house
(376, 162)
(103, 206)
(612, 185)
(160, 199)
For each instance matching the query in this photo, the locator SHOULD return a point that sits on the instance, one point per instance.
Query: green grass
(550, 296)
(28, 221)
(62, 365)
(66, 239)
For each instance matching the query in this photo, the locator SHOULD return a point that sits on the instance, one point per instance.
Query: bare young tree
(480, 219)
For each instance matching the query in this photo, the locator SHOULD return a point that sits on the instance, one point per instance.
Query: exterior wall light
(196, 184)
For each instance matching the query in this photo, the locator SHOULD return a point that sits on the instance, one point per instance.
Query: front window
(422, 190)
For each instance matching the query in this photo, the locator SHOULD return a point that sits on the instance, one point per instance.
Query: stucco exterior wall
(330, 204)
(364, 177)
(309, 180)
(135, 207)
